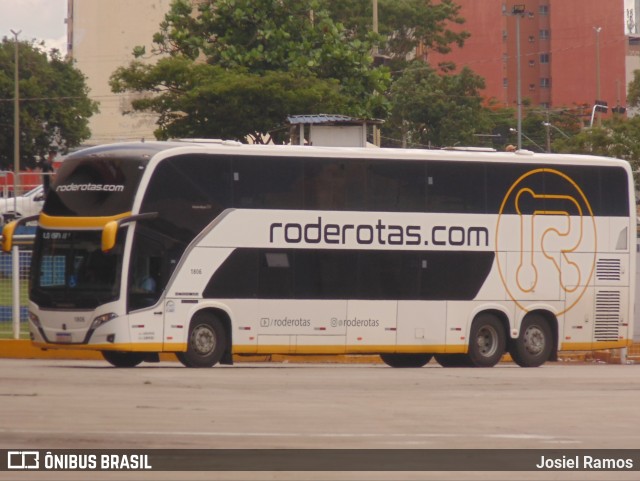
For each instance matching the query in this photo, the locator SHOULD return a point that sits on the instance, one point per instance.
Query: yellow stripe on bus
(78, 222)
(595, 346)
(348, 349)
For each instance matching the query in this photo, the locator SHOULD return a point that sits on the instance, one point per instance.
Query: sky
(36, 19)
(44, 20)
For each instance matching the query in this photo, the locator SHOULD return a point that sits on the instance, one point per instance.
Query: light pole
(16, 118)
(520, 134)
(549, 124)
(598, 30)
(518, 11)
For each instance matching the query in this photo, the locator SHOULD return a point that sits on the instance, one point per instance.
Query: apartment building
(572, 52)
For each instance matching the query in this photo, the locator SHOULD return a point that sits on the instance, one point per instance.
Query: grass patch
(6, 301)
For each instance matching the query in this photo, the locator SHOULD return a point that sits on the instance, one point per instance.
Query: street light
(521, 134)
(518, 11)
(549, 124)
(599, 106)
(16, 118)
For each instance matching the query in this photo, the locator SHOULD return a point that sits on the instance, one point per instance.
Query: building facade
(101, 37)
(572, 52)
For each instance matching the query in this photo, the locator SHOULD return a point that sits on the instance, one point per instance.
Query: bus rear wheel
(406, 360)
(123, 359)
(207, 342)
(487, 341)
(534, 344)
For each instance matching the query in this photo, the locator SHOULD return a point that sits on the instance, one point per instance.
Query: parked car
(25, 205)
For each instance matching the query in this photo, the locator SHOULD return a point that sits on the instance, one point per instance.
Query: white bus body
(302, 250)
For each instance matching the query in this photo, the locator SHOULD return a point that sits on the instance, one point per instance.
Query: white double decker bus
(221, 249)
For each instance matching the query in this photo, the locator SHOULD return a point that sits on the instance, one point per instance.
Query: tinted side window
(356, 195)
(397, 186)
(325, 274)
(324, 184)
(500, 179)
(388, 275)
(275, 274)
(237, 277)
(456, 187)
(268, 183)
(614, 191)
(188, 192)
(350, 274)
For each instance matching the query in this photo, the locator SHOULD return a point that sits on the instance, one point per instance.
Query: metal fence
(14, 297)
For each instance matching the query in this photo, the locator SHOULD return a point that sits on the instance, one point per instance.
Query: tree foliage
(220, 55)
(633, 93)
(617, 137)
(54, 103)
(404, 25)
(198, 99)
(433, 109)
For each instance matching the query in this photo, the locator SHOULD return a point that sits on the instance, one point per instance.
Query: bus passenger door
(146, 280)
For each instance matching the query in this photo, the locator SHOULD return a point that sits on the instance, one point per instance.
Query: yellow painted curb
(23, 349)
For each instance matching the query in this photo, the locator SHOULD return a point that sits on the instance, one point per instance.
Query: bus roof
(146, 150)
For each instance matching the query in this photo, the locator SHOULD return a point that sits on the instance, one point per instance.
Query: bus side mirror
(7, 235)
(110, 229)
(109, 234)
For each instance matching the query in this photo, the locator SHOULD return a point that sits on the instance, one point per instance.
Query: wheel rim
(534, 340)
(203, 340)
(487, 341)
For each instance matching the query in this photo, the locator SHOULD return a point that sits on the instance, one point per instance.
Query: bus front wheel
(206, 344)
(534, 344)
(406, 360)
(123, 359)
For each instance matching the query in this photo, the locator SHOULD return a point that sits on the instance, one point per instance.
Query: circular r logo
(545, 240)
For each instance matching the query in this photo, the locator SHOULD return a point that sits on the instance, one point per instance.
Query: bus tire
(534, 344)
(206, 343)
(122, 358)
(406, 360)
(453, 360)
(487, 341)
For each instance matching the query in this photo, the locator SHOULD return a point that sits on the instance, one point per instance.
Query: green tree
(633, 95)
(220, 54)
(198, 99)
(404, 25)
(434, 109)
(617, 137)
(54, 103)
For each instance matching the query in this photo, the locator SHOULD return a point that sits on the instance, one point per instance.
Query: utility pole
(598, 30)
(376, 130)
(547, 126)
(375, 25)
(16, 118)
(518, 11)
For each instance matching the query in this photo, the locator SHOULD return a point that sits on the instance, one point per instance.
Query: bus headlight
(35, 319)
(103, 319)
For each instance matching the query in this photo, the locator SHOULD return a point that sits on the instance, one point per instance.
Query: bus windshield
(74, 272)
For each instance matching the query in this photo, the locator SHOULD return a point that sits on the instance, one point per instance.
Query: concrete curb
(23, 349)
